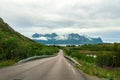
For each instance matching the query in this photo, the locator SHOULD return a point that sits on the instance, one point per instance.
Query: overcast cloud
(86, 17)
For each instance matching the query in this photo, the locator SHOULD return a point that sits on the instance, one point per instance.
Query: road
(54, 68)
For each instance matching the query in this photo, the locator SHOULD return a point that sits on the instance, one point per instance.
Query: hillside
(68, 39)
(14, 46)
(5, 27)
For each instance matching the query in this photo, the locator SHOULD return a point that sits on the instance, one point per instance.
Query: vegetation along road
(54, 68)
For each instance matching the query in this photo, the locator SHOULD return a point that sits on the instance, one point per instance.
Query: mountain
(72, 38)
(14, 46)
(4, 26)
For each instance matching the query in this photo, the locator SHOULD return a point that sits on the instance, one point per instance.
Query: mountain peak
(36, 35)
(54, 34)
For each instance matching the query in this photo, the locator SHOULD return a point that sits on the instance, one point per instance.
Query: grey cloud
(58, 14)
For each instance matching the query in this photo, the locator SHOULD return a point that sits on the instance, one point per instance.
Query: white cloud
(41, 38)
(62, 37)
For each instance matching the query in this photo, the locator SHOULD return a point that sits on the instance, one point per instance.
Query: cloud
(62, 16)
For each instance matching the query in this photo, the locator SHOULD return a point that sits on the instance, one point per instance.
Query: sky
(95, 18)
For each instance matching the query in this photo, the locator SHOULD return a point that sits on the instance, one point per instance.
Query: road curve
(54, 68)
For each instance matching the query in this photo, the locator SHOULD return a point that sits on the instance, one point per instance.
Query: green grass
(6, 63)
(93, 70)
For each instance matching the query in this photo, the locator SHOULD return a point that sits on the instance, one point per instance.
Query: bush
(105, 58)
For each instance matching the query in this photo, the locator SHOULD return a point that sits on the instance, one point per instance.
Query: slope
(14, 46)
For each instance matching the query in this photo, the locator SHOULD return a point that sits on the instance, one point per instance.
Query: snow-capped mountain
(72, 38)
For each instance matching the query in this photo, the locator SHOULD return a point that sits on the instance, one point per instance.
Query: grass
(6, 63)
(93, 70)
(104, 53)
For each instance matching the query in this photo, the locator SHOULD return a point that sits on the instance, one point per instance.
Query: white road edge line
(74, 71)
(71, 68)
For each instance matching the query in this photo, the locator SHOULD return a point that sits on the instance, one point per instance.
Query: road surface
(54, 68)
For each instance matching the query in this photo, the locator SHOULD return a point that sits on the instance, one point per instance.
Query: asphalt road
(54, 68)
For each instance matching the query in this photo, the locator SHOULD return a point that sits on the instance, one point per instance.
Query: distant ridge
(72, 38)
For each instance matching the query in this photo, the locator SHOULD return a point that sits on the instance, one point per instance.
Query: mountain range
(69, 39)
